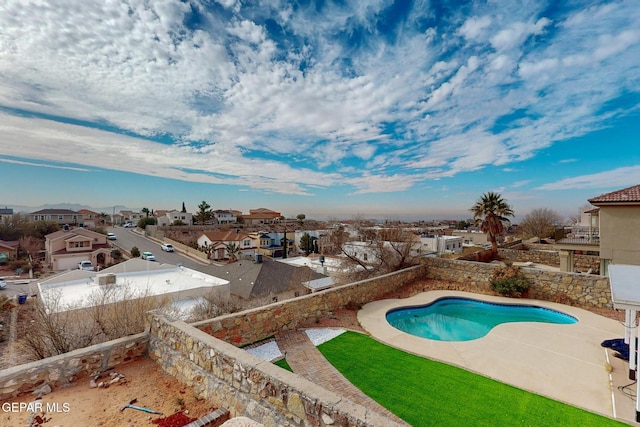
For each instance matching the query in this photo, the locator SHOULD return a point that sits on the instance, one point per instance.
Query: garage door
(70, 263)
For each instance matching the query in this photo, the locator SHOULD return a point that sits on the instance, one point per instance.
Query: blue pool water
(463, 319)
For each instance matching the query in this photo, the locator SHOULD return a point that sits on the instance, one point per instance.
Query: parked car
(167, 247)
(128, 225)
(3, 284)
(85, 265)
(111, 236)
(148, 256)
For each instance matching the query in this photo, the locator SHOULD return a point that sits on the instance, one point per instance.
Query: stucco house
(619, 225)
(8, 250)
(216, 242)
(90, 219)
(173, 217)
(225, 217)
(6, 214)
(64, 249)
(60, 216)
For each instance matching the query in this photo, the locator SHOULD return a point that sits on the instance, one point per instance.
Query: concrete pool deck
(563, 362)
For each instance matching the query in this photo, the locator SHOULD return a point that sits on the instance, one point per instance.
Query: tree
(143, 222)
(184, 208)
(146, 211)
(306, 243)
(233, 250)
(301, 218)
(491, 212)
(540, 223)
(204, 213)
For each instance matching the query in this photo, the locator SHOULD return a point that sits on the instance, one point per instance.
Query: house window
(364, 256)
(247, 242)
(60, 217)
(78, 244)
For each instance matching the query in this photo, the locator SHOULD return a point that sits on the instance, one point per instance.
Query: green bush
(135, 252)
(509, 281)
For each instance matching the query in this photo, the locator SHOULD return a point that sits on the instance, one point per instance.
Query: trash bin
(22, 298)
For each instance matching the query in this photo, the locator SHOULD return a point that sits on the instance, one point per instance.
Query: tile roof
(626, 195)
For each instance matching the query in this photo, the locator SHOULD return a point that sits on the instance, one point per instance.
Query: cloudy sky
(379, 108)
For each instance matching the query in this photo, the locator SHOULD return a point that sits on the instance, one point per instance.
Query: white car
(111, 236)
(85, 265)
(148, 256)
(128, 225)
(3, 284)
(167, 247)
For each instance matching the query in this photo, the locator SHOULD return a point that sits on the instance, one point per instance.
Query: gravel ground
(270, 351)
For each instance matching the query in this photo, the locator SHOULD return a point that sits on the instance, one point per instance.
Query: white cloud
(615, 178)
(328, 88)
(474, 27)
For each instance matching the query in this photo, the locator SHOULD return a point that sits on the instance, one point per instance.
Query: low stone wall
(544, 254)
(546, 257)
(62, 369)
(259, 323)
(246, 385)
(581, 290)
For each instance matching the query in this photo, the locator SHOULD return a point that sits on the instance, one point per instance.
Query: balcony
(584, 240)
(589, 236)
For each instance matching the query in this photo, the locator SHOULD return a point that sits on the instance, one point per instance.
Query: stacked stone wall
(581, 290)
(246, 385)
(544, 254)
(63, 369)
(546, 257)
(259, 323)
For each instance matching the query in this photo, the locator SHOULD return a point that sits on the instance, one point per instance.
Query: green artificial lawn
(283, 364)
(427, 393)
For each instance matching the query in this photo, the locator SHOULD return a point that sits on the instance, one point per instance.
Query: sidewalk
(306, 361)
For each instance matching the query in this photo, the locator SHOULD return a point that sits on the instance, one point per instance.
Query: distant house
(8, 250)
(474, 238)
(6, 214)
(90, 219)
(216, 244)
(60, 216)
(260, 216)
(174, 217)
(619, 226)
(442, 244)
(225, 217)
(131, 216)
(64, 249)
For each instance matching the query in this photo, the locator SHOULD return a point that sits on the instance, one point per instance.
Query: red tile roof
(626, 195)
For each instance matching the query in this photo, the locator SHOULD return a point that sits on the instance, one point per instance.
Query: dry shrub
(509, 281)
(57, 328)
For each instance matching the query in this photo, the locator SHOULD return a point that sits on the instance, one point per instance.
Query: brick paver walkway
(306, 361)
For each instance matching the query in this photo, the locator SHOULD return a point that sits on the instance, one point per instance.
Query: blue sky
(407, 109)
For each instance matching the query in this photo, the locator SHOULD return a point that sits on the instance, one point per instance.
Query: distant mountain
(71, 206)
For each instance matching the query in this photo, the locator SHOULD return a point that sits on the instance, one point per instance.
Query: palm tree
(232, 250)
(491, 211)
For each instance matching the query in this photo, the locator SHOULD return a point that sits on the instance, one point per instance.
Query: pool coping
(562, 361)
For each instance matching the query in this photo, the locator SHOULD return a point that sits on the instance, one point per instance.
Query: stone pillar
(566, 261)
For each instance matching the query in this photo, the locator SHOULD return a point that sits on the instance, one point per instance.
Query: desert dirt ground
(80, 405)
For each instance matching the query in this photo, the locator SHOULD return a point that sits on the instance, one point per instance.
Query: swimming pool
(464, 319)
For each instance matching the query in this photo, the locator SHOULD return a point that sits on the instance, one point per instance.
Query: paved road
(126, 239)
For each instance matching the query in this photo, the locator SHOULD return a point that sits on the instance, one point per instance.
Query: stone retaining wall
(246, 385)
(581, 290)
(544, 254)
(256, 324)
(62, 369)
